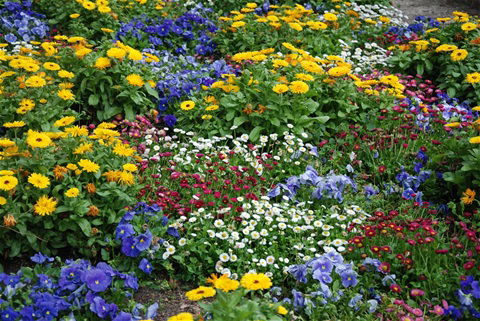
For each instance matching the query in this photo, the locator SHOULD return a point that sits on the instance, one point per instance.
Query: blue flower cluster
(406, 33)
(411, 183)
(181, 75)
(48, 293)
(18, 22)
(324, 270)
(468, 292)
(329, 186)
(189, 31)
(134, 243)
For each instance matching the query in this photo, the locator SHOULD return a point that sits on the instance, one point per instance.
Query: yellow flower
(280, 63)
(238, 24)
(295, 26)
(51, 66)
(445, 48)
(123, 150)
(338, 71)
(473, 78)
(45, 206)
(66, 94)
(280, 88)
(3, 200)
(74, 15)
(468, 196)
(212, 107)
(39, 180)
(130, 167)
(281, 310)
(469, 26)
(116, 53)
(255, 281)
(126, 178)
(8, 182)
(453, 125)
(223, 283)
(135, 80)
(14, 124)
(298, 87)
(206, 117)
(200, 293)
(305, 77)
(311, 66)
(476, 108)
(65, 121)
(184, 316)
(89, 166)
(104, 9)
(330, 17)
(89, 5)
(136, 55)
(72, 167)
(65, 74)
(38, 140)
(76, 131)
(82, 52)
(459, 54)
(83, 148)
(35, 81)
(5, 142)
(102, 63)
(318, 25)
(187, 105)
(31, 67)
(474, 140)
(76, 39)
(72, 192)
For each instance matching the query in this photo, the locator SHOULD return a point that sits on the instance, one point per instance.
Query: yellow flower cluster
(73, 140)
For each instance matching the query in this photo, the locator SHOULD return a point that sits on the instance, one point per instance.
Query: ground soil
(436, 8)
(171, 301)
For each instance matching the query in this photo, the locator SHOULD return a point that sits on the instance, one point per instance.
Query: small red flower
(469, 265)
(395, 288)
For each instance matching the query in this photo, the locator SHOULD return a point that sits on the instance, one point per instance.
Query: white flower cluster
(365, 59)
(374, 11)
(186, 146)
(268, 237)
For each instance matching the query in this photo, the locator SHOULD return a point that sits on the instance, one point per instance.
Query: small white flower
(182, 242)
(233, 258)
(224, 257)
(270, 259)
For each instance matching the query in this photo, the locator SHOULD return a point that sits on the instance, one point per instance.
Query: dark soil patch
(436, 8)
(171, 301)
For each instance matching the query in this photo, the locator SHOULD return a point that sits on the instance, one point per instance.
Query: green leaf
(85, 226)
(151, 91)
(230, 115)
(129, 115)
(275, 121)
(239, 120)
(451, 92)
(255, 133)
(311, 105)
(420, 69)
(93, 99)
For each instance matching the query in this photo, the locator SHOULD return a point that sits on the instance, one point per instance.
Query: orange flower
(9, 220)
(93, 211)
(91, 189)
